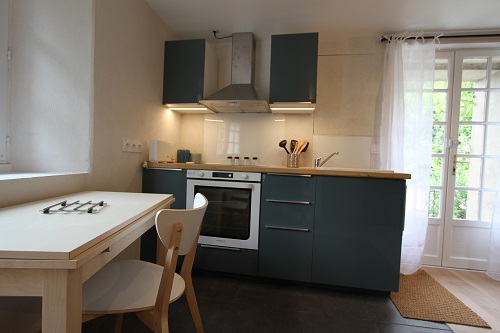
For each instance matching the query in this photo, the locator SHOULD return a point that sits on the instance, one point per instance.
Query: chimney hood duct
(240, 95)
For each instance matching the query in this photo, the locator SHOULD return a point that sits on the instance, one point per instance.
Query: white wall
(51, 85)
(127, 75)
(349, 74)
(128, 67)
(129, 43)
(4, 37)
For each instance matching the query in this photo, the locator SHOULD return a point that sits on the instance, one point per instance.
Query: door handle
(454, 171)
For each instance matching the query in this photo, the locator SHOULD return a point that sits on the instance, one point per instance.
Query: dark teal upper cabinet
(294, 67)
(190, 71)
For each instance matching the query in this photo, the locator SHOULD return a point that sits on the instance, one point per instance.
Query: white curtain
(493, 269)
(406, 134)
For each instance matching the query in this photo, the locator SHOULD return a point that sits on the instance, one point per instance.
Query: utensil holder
(292, 160)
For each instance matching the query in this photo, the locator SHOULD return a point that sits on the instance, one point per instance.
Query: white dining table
(52, 254)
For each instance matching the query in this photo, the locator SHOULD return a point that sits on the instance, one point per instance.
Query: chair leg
(193, 305)
(186, 269)
(118, 323)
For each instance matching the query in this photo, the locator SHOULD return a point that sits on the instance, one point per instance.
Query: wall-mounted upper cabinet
(189, 75)
(294, 71)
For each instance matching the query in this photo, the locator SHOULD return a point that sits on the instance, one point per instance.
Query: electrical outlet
(131, 146)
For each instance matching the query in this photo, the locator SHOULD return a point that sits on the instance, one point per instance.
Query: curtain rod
(385, 39)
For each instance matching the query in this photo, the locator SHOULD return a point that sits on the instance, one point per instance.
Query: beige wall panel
(192, 132)
(129, 43)
(347, 93)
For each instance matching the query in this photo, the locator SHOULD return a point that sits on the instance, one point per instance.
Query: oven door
(232, 216)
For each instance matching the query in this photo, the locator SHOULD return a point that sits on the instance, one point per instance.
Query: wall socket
(131, 146)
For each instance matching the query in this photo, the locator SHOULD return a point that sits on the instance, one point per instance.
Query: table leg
(62, 301)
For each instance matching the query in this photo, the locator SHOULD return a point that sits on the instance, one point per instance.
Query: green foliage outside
(438, 142)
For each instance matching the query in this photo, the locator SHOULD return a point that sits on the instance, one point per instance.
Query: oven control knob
(201, 173)
(244, 176)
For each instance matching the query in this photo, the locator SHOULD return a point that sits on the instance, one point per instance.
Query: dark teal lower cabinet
(357, 232)
(227, 260)
(287, 255)
(338, 231)
(166, 181)
(286, 227)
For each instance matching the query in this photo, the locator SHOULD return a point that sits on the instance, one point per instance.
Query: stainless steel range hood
(240, 95)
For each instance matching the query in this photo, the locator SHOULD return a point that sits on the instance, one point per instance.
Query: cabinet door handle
(289, 201)
(287, 228)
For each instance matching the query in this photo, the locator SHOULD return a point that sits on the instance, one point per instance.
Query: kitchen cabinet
(294, 67)
(358, 230)
(190, 73)
(338, 230)
(166, 181)
(286, 226)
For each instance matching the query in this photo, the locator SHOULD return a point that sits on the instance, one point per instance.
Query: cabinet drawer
(286, 254)
(288, 187)
(284, 214)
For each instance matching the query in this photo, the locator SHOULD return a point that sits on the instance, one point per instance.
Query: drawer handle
(286, 228)
(290, 201)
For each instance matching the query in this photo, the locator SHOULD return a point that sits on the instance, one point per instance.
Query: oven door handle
(235, 249)
(289, 201)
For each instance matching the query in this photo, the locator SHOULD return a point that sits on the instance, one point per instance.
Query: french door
(466, 155)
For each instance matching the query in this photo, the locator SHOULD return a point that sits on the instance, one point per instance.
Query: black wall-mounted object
(294, 68)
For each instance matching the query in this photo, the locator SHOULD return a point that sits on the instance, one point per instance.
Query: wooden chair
(144, 288)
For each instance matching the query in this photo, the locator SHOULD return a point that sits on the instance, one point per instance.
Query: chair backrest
(191, 220)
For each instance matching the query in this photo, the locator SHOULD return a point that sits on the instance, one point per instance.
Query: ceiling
(198, 18)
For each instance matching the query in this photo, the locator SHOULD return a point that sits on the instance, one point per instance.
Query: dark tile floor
(231, 304)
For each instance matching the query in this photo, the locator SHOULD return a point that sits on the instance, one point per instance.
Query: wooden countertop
(339, 172)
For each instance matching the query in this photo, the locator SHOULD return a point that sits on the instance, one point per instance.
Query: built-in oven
(232, 216)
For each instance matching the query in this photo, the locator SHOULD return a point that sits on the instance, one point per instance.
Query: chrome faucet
(318, 161)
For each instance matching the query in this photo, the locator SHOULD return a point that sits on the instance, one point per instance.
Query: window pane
(434, 203)
(468, 172)
(466, 204)
(436, 171)
(440, 100)
(471, 139)
(488, 203)
(490, 173)
(494, 106)
(441, 74)
(472, 105)
(474, 72)
(495, 72)
(493, 140)
(437, 139)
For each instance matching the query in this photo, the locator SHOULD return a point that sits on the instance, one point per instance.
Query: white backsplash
(252, 135)
(354, 151)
